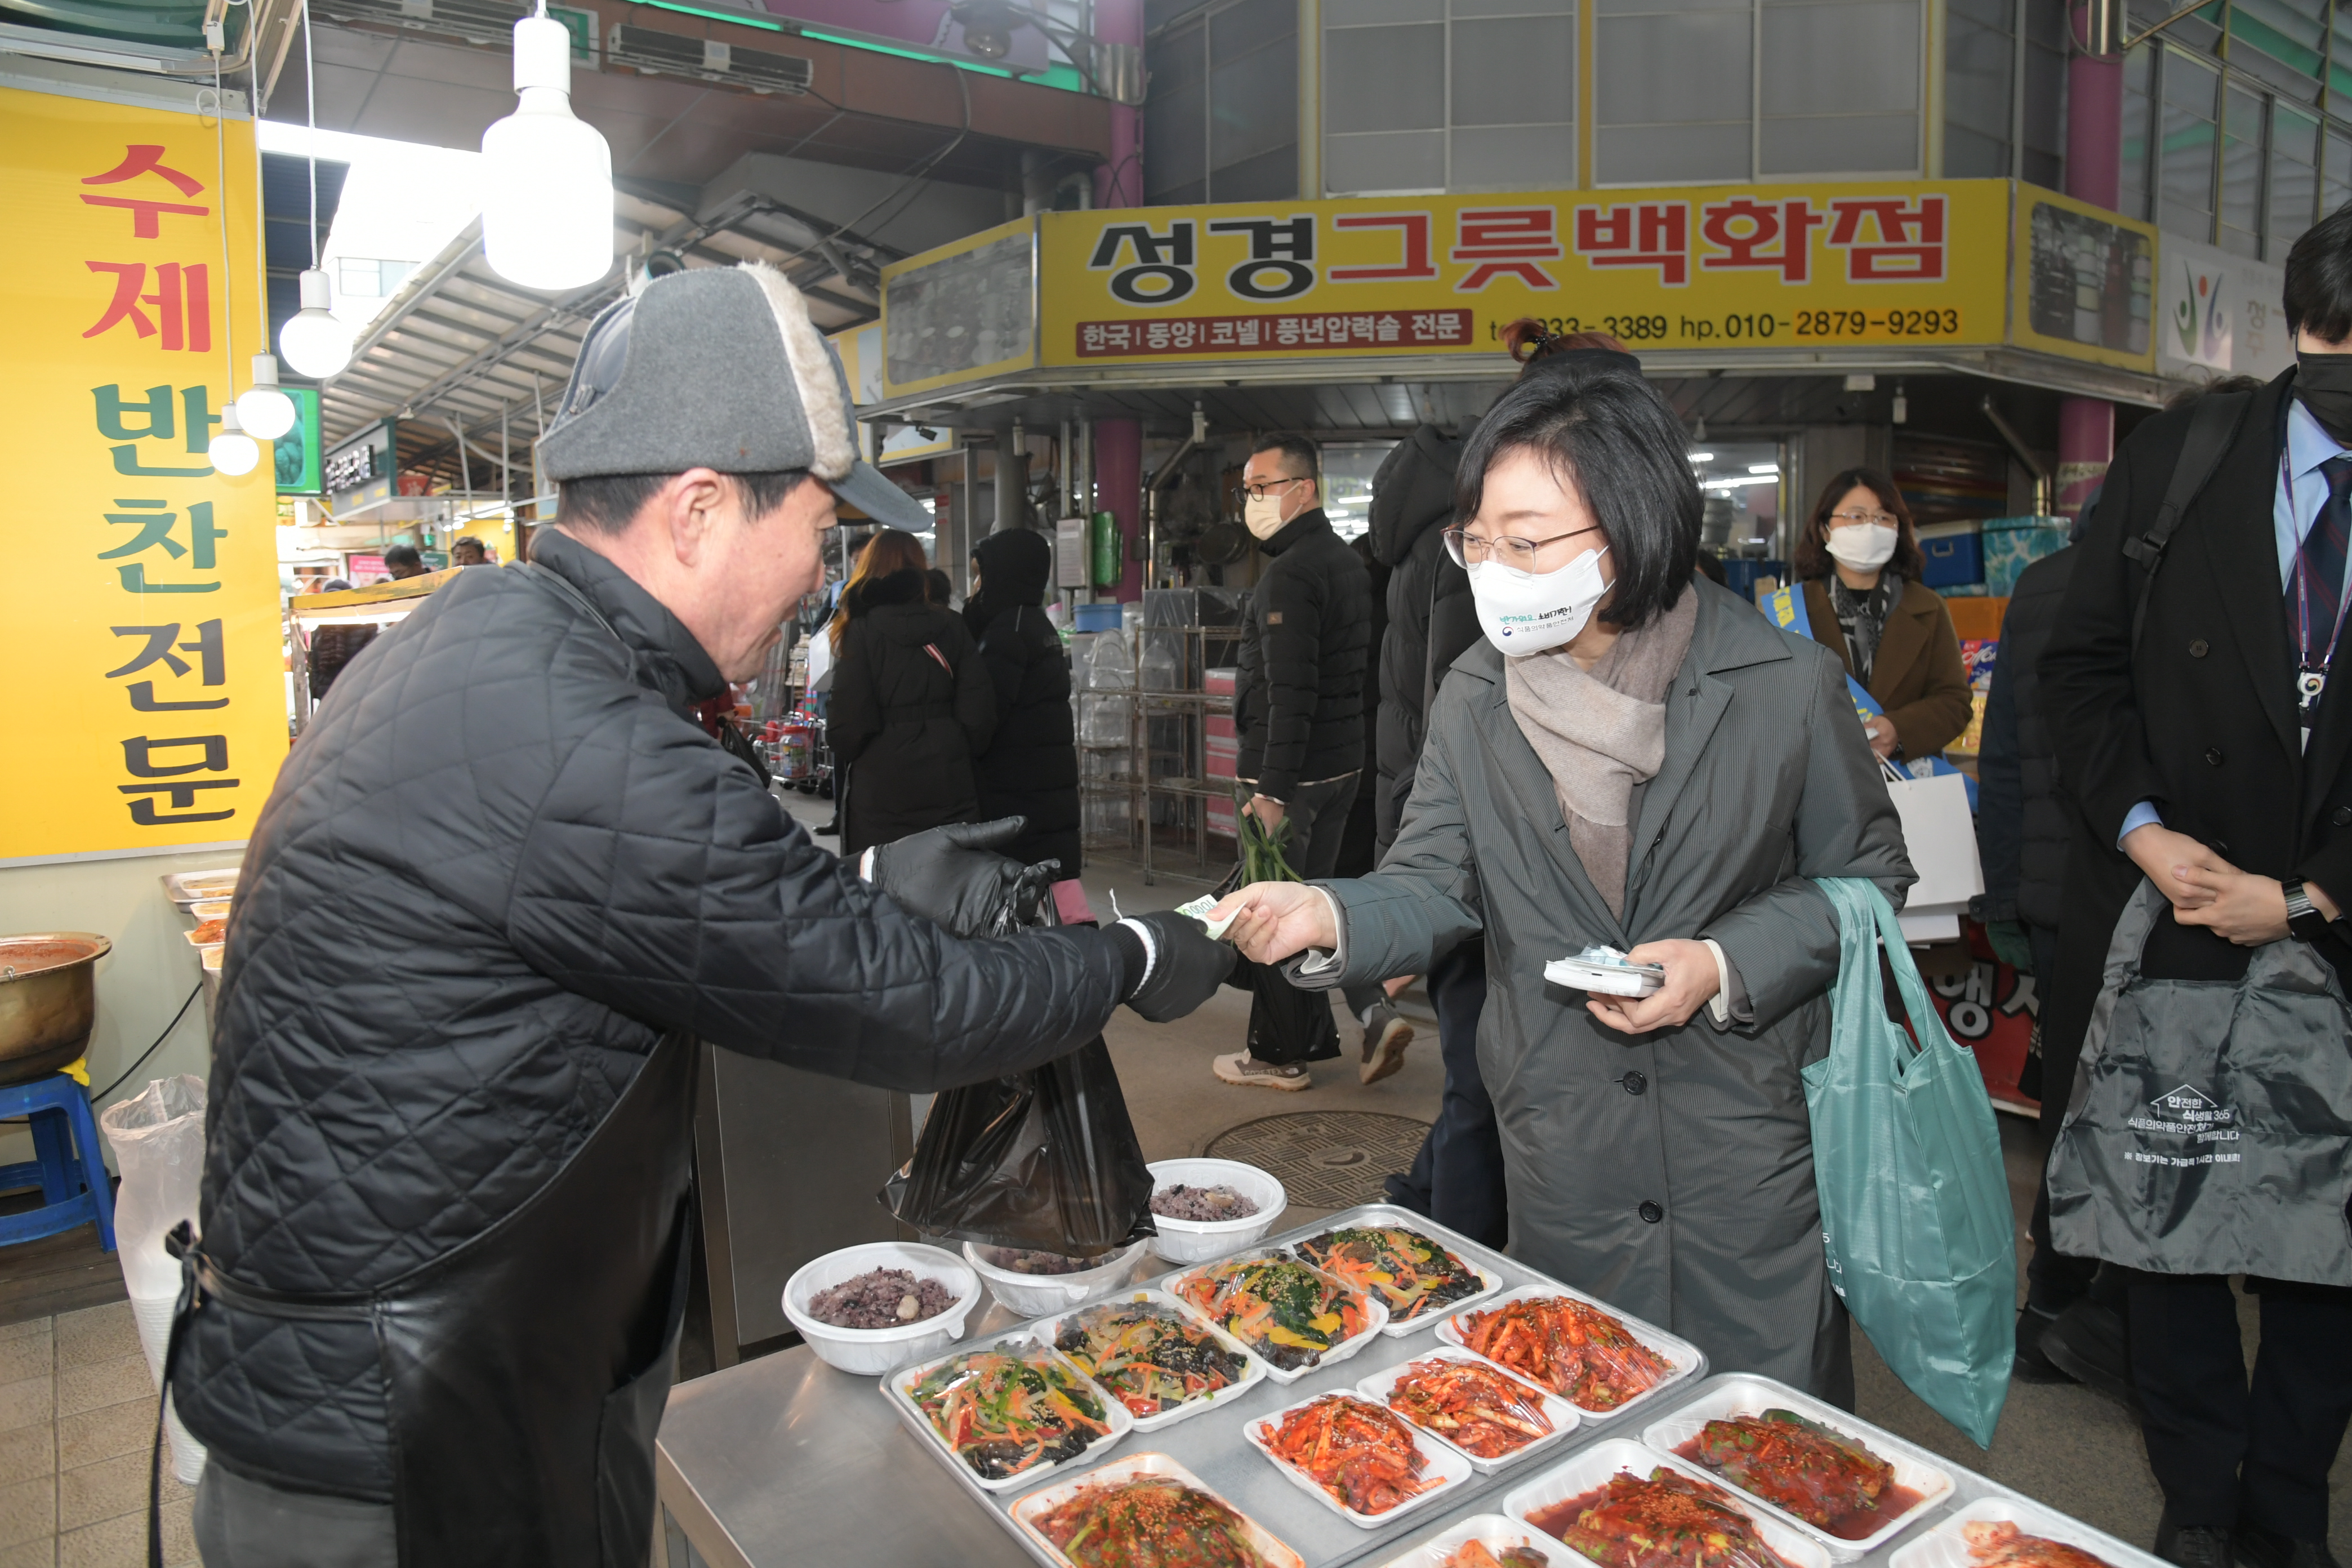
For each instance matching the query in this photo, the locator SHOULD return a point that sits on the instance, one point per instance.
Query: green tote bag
(1915, 1201)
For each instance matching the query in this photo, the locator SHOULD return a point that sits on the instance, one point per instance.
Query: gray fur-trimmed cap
(717, 368)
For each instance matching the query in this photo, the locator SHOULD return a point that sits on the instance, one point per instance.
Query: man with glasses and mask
(2203, 735)
(1298, 708)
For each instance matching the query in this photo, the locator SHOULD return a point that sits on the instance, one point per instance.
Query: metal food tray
(1213, 1445)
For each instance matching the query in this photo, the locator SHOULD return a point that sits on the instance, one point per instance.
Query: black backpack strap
(2212, 426)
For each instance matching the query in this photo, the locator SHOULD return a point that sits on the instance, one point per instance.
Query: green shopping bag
(1914, 1203)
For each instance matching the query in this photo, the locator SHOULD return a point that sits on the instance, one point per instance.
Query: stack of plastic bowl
(872, 1352)
(1184, 1241)
(1039, 1295)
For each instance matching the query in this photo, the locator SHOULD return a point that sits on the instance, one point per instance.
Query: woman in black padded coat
(1030, 768)
(911, 701)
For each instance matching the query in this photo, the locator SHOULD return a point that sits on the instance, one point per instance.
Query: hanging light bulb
(314, 344)
(264, 411)
(232, 450)
(547, 208)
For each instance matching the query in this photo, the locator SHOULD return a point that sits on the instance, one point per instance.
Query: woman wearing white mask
(1860, 564)
(1631, 758)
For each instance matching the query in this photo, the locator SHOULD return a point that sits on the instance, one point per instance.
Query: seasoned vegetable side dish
(1289, 1313)
(1006, 1413)
(1999, 1543)
(1361, 1455)
(1149, 1522)
(1576, 1350)
(1668, 1520)
(1478, 1555)
(1149, 1357)
(1411, 1273)
(1804, 1469)
(1201, 1205)
(1474, 1407)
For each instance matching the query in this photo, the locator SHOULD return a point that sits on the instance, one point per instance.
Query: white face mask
(1264, 519)
(1864, 546)
(1527, 611)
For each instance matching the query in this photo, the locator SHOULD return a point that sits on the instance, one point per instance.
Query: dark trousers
(2222, 1451)
(249, 1524)
(1318, 818)
(2053, 1279)
(1457, 1177)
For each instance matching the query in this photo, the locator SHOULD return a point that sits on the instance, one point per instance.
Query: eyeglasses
(1856, 519)
(1519, 555)
(1257, 492)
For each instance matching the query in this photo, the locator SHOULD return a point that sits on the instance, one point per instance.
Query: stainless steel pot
(48, 998)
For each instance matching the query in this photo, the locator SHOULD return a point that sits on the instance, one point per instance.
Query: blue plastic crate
(1953, 558)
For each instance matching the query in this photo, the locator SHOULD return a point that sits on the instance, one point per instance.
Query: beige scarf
(1598, 734)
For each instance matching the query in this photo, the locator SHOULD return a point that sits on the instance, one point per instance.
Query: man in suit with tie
(2206, 750)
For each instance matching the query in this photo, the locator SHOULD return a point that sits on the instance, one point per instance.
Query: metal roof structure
(458, 347)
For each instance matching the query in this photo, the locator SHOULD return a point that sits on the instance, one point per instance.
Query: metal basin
(48, 997)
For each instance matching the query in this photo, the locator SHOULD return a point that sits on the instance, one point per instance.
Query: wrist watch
(2304, 919)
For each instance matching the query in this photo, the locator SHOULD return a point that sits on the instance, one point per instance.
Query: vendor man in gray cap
(443, 1246)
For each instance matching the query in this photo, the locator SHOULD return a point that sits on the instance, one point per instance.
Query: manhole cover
(1325, 1158)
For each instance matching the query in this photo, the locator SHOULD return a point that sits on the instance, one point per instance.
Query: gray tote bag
(2210, 1129)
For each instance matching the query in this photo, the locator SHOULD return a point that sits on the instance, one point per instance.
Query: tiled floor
(76, 1417)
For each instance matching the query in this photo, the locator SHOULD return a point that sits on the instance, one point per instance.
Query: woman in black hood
(1031, 766)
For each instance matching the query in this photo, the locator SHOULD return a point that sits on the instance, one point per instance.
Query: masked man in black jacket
(1299, 696)
(502, 884)
(2205, 749)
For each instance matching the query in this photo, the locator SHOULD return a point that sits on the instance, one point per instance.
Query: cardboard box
(1222, 753)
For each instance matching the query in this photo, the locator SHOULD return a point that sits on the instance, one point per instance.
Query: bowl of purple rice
(871, 1307)
(1206, 1208)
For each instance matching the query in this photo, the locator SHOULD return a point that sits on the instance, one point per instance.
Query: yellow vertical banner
(144, 702)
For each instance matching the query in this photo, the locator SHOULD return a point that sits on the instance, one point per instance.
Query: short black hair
(469, 538)
(403, 555)
(608, 504)
(2318, 292)
(1298, 452)
(1605, 429)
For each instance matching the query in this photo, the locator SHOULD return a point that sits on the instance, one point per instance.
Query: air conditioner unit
(655, 53)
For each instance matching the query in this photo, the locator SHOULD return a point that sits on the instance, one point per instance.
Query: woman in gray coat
(1633, 759)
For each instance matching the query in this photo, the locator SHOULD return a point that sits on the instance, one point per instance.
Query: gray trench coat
(1670, 1174)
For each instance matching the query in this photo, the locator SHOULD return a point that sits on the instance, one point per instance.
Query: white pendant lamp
(265, 411)
(314, 342)
(232, 450)
(547, 177)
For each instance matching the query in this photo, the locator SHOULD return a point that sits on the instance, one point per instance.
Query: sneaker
(1386, 1034)
(2032, 1365)
(1244, 1068)
(2261, 1547)
(2191, 1546)
(2087, 1342)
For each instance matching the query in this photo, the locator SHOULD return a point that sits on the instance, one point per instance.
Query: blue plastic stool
(58, 1110)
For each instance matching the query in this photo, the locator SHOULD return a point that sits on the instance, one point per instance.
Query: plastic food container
(1945, 1547)
(187, 887)
(209, 909)
(1254, 1372)
(1914, 1467)
(1038, 1504)
(872, 1352)
(1405, 1220)
(1683, 1356)
(1588, 1470)
(901, 1384)
(1447, 1467)
(1377, 1319)
(1182, 1241)
(1561, 1413)
(1034, 1295)
(1492, 1530)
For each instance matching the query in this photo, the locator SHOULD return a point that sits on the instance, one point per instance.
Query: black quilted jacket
(502, 863)
(1298, 695)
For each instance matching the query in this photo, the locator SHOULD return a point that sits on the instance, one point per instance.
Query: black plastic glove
(954, 876)
(1187, 967)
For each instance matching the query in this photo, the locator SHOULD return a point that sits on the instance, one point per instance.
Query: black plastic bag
(1045, 1159)
(1286, 1024)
